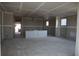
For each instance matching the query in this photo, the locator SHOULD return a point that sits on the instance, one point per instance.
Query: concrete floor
(50, 46)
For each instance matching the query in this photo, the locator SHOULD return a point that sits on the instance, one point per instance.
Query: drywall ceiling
(40, 8)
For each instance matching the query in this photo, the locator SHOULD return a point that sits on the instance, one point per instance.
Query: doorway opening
(17, 28)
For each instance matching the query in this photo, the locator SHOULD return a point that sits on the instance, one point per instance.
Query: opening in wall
(63, 22)
(47, 23)
(17, 28)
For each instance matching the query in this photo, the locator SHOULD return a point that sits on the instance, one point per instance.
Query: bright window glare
(17, 28)
(63, 21)
(47, 23)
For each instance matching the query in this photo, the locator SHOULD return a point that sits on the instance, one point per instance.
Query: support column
(77, 33)
(58, 24)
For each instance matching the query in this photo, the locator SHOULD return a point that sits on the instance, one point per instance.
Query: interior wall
(0, 24)
(7, 25)
(52, 24)
(69, 31)
(31, 23)
(0, 30)
(51, 27)
(71, 27)
(17, 19)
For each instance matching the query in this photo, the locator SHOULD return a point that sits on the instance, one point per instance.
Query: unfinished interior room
(39, 28)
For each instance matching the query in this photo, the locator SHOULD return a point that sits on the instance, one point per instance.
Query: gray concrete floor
(50, 46)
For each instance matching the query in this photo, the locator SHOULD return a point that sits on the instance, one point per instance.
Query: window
(17, 28)
(47, 23)
(63, 22)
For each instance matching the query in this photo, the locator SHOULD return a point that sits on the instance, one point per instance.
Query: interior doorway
(17, 29)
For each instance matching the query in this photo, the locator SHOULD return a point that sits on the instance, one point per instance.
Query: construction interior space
(39, 28)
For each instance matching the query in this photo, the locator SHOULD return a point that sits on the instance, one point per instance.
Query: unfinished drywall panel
(63, 32)
(25, 24)
(7, 25)
(60, 29)
(51, 28)
(38, 22)
(0, 17)
(0, 24)
(0, 30)
(69, 30)
(31, 23)
(71, 27)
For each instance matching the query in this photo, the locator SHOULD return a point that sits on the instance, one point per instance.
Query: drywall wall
(0, 24)
(31, 23)
(71, 27)
(7, 25)
(63, 32)
(51, 28)
(0, 29)
(69, 31)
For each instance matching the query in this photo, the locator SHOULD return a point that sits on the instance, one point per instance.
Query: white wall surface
(36, 33)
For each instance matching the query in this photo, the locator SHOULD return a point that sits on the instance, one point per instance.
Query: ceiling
(44, 9)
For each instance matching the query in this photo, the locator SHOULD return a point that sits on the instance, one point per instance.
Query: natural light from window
(47, 23)
(63, 22)
(17, 28)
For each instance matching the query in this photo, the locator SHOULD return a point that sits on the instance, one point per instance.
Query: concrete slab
(50, 46)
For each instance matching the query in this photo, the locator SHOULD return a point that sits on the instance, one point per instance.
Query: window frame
(65, 22)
